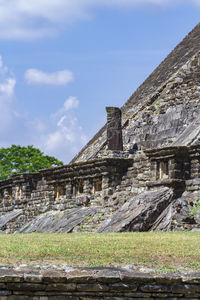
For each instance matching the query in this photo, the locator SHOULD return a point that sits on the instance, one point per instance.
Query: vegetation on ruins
(162, 251)
(195, 209)
(19, 159)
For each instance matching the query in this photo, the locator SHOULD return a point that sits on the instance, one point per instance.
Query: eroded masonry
(140, 172)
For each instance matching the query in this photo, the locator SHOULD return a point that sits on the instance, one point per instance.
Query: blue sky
(63, 61)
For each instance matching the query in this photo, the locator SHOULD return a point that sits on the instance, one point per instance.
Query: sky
(62, 62)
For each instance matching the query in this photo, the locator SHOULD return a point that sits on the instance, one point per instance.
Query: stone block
(185, 288)
(5, 293)
(121, 286)
(155, 288)
(33, 278)
(26, 286)
(61, 287)
(96, 287)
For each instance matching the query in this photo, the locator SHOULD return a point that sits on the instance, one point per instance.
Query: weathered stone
(59, 221)
(155, 288)
(61, 287)
(140, 213)
(26, 286)
(33, 278)
(197, 216)
(95, 287)
(114, 131)
(133, 286)
(185, 288)
(9, 217)
(122, 286)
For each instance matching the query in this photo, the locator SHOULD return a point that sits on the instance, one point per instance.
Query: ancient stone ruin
(140, 172)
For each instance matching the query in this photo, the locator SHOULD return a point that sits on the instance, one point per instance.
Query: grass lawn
(159, 250)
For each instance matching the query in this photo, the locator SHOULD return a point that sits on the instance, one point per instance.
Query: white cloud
(7, 82)
(29, 19)
(59, 135)
(7, 86)
(38, 77)
(1, 63)
(22, 19)
(66, 137)
(70, 103)
(8, 114)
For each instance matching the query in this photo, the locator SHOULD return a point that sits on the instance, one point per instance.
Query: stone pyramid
(140, 172)
(160, 110)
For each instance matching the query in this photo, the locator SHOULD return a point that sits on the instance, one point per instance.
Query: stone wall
(84, 196)
(97, 283)
(90, 184)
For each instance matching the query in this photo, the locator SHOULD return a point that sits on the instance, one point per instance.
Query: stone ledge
(165, 182)
(44, 283)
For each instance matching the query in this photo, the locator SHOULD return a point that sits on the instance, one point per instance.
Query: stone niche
(169, 165)
(97, 184)
(18, 192)
(162, 169)
(59, 191)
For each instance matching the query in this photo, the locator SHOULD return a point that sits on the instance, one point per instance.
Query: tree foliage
(19, 159)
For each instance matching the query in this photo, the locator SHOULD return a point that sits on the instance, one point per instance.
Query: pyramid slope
(177, 58)
(174, 61)
(190, 136)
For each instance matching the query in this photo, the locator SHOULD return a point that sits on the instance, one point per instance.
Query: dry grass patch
(158, 250)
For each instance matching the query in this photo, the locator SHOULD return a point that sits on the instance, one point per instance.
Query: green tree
(18, 159)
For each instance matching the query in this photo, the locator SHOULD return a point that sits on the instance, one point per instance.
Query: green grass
(165, 251)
